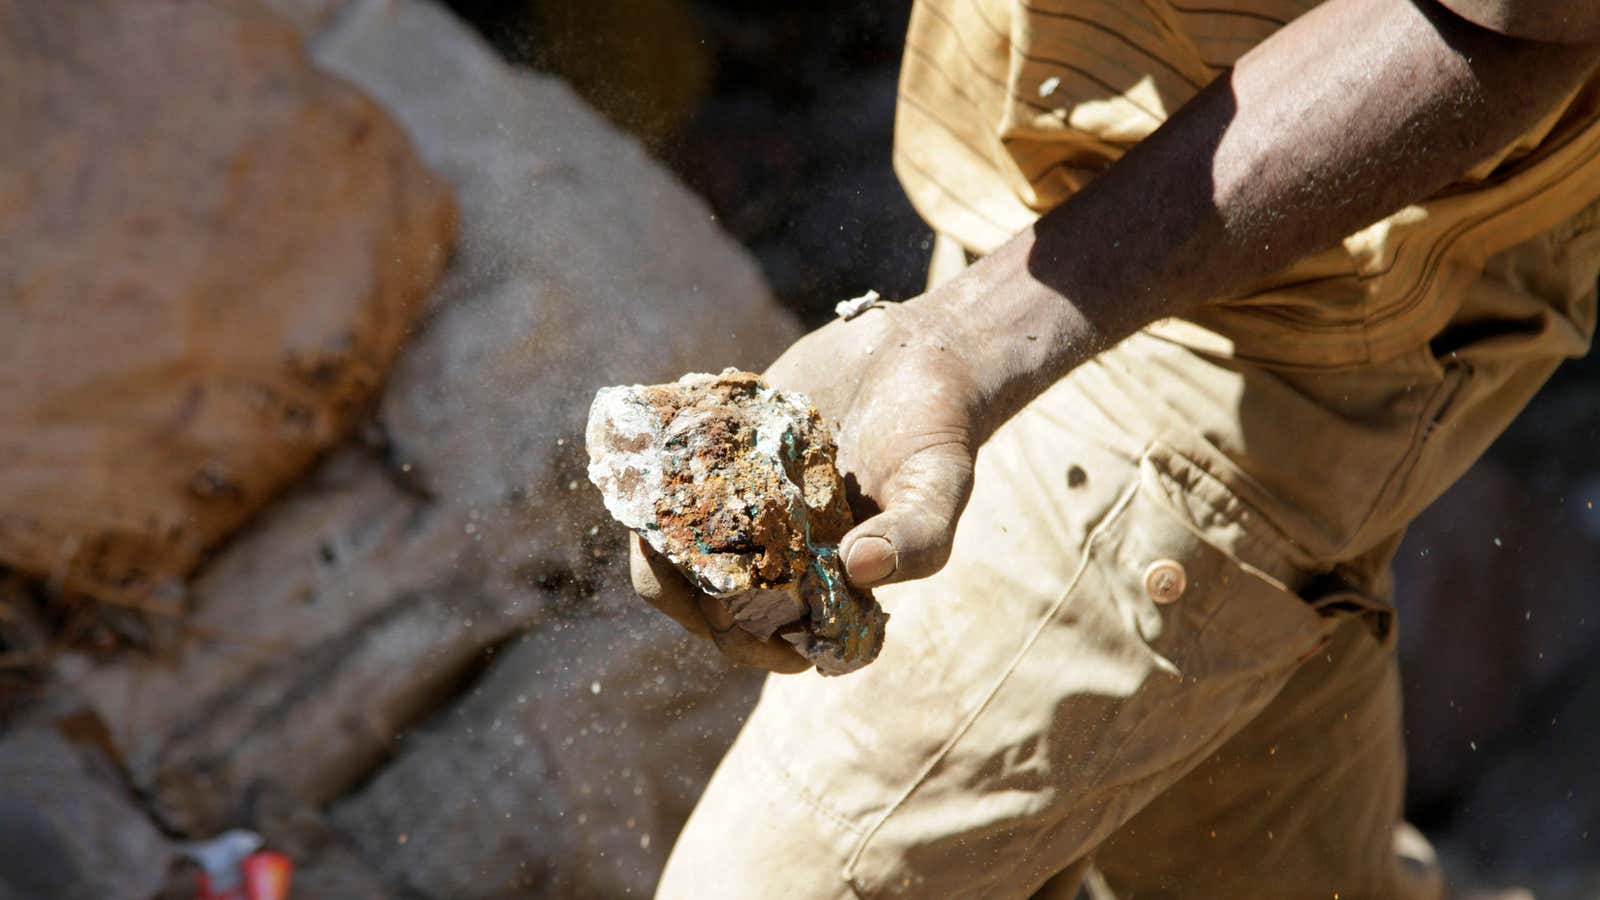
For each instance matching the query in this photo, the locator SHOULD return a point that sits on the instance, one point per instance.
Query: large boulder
(1497, 589)
(376, 591)
(351, 609)
(581, 263)
(209, 254)
(567, 771)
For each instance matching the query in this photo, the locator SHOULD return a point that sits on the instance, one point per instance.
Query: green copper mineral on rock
(736, 483)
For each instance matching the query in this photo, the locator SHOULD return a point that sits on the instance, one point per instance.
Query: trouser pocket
(1161, 647)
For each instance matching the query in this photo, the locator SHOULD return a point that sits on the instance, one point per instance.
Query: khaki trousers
(1162, 645)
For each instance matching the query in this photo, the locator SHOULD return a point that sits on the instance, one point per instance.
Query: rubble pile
(439, 595)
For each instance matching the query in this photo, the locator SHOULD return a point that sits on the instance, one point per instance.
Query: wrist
(1012, 335)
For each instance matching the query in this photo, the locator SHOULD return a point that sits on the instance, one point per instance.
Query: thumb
(911, 538)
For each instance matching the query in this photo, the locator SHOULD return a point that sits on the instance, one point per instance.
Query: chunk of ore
(735, 482)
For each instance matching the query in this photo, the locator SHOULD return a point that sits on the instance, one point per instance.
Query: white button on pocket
(1165, 580)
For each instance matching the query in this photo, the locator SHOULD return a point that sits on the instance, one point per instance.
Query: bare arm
(1344, 116)
(1350, 112)
(1537, 20)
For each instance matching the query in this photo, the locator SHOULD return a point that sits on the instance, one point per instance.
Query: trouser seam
(805, 795)
(1117, 509)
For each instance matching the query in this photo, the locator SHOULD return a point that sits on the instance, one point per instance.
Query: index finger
(660, 583)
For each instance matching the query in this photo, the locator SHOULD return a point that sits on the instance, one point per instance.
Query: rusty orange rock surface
(737, 484)
(210, 252)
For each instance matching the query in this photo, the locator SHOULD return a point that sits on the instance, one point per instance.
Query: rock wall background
(405, 652)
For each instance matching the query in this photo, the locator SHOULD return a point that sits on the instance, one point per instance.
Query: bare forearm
(1355, 110)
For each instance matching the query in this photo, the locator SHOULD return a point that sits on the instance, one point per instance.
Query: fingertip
(869, 559)
(897, 545)
(648, 581)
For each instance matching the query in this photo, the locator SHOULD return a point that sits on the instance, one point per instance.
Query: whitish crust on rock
(735, 482)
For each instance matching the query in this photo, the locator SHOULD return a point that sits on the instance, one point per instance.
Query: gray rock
(736, 483)
(310, 17)
(566, 773)
(68, 829)
(326, 867)
(352, 608)
(1532, 817)
(1496, 586)
(580, 263)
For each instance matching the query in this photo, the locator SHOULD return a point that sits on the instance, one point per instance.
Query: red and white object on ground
(234, 867)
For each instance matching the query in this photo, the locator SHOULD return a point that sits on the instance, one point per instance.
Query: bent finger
(911, 538)
(661, 585)
(745, 649)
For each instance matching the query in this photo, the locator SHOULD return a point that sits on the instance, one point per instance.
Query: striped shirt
(1009, 106)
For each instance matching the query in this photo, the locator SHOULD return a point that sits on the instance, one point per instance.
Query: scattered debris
(855, 306)
(532, 785)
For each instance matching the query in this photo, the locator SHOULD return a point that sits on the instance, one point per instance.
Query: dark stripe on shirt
(985, 156)
(959, 200)
(1112, 32)
(1240, 13)
(977, 9)
(1086, 75)
(955, 32)
(955, 40)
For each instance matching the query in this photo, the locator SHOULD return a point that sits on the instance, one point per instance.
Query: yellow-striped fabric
(1009, 106)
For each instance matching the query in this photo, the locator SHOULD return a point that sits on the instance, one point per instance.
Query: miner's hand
(904, 402)
(660, 583)
(905, 410)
